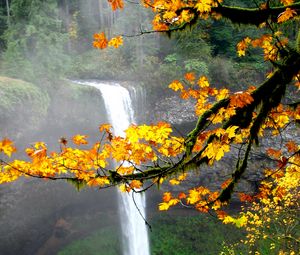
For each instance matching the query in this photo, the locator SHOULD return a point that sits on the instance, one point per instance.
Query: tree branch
(253, 16)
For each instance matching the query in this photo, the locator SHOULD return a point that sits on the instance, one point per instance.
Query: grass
(176, 235)
(104, 241)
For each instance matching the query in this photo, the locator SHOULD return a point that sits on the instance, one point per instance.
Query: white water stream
(120, 114)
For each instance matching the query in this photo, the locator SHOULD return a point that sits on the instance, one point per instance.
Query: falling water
(120, 114)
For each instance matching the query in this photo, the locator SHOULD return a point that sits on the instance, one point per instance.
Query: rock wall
(180, 113)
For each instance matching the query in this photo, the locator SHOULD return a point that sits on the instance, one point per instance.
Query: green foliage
(104, 241)
(171, 58)
(79, 185)
(194, 65)
(35, 42)
(190, 235)
(106, 64)
(23, 94)
(178, 235)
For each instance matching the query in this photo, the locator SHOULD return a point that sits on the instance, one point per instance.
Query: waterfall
(120, 114)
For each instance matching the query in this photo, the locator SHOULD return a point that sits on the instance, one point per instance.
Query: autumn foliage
(227, 122)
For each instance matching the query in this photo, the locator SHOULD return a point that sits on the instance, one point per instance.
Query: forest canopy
(229, 122)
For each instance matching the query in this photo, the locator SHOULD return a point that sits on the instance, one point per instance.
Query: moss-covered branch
(253, 16)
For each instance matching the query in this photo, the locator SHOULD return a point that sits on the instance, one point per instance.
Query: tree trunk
(101, 7)
(8, 12)
(67, 13)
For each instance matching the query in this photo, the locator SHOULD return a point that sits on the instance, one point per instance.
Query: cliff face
(180, 113)
(169, 107)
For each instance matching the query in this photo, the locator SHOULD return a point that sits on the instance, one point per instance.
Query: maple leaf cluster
(101, 42)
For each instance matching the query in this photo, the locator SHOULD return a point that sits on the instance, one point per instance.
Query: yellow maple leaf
(174, 182)
(169, 16)
(241, 52)
(193, 196)
(124, 188)
(159, 24)
(7, 147)
(185, 16)
(182, 177)
(163, 206)
(116, 42)
(123, 170)
(105, 127)
(204, 6)
(222, 93)
(228, 219)
(231, 131)
(240, 222)
(203, 82)
(242, 46)
(99, 181)
(216, 150)
(176, 85)
(173, 201)
(80, 139)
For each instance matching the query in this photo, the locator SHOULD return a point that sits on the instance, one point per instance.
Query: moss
(298, 42)
(22, 105)
(104, 241)
(73, 109)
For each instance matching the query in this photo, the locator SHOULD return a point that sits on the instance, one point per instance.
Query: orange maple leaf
(181, 195)
(116, 4)
(287, 2)
(245, 197)
(240, 99)
(291, 146)
(167, 197)
(226, 183)
(286, 15)
(100, 41)
(242, 46)
(221, 214)
(274, 153)
(135, 184)
(190, 77)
